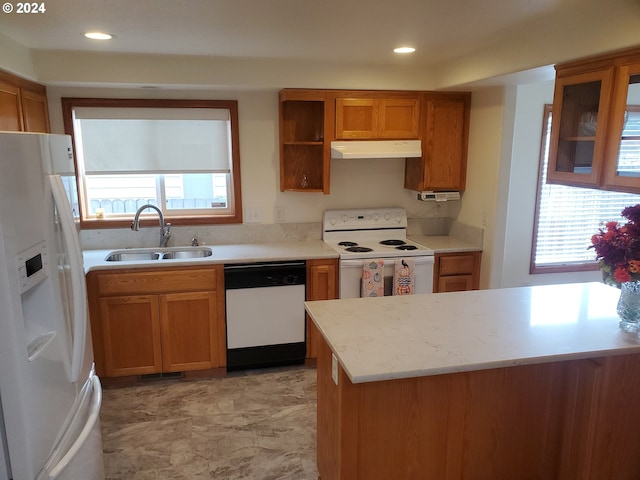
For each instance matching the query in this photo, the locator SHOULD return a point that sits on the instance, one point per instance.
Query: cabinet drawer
(457, 264)
(156, 281)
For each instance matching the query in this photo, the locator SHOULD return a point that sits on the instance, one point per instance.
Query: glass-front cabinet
(595, 127)
(624, 148)
(578, 136)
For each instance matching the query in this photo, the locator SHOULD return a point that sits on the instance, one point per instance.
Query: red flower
(621, 275)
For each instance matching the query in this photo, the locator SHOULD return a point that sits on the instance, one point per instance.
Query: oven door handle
(419, 260)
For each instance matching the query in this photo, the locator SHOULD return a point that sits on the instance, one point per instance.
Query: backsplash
(205, 234)
(258, 233)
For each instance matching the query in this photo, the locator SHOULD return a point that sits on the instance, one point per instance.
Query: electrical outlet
(252, 215)
(334, 368)
(278, 214)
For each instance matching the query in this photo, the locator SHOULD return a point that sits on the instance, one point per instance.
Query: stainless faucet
(165, 229)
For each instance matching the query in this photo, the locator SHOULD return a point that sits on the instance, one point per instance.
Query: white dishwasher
(265, 314)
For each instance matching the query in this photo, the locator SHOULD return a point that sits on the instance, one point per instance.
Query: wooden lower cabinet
(130, 335)
(322, 284)
(146, 321)
(564, 420)
(188, 334)
(456, 272)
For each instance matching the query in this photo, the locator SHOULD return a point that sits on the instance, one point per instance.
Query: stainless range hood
(376, 149)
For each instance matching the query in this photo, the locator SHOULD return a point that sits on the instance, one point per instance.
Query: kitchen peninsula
(520, 383)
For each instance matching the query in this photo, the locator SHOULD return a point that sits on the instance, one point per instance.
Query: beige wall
(354, 183)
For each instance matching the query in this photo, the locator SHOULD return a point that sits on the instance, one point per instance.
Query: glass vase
(629, 306)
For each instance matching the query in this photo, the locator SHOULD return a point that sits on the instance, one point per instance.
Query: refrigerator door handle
(92, 394)
(79, 321)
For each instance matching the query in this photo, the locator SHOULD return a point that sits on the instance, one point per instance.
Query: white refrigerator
(50, 396)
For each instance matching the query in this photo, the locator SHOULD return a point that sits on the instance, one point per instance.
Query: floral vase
(629, 306)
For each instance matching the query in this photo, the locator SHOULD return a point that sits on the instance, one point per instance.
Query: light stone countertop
(444, 243)
(388, 338)
(235, 253)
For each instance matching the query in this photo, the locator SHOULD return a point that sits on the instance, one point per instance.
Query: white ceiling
(470, 39)
(363, 31)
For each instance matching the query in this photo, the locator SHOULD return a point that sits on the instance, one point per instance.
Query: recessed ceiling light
(404, 50)
(98, 36)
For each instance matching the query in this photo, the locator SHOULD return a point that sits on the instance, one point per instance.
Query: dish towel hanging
(403, 277)
(372, 278)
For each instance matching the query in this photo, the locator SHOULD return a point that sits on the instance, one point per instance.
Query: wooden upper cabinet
(623, 171)
(445, 137)
(377, 118)
(23, 105)
(311, 119)
(10, 108)
(35, 111)
(304, 148)
(595, 126)
(578, 134)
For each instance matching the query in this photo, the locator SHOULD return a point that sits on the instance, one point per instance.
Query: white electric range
(374, 233)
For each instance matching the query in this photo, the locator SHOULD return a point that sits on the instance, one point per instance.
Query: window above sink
(182, 156)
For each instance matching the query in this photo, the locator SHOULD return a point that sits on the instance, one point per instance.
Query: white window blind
(153, 140)
(569, 216)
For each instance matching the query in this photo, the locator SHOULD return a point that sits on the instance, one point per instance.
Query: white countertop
(236, 253)
(388, 338)
(444, 243)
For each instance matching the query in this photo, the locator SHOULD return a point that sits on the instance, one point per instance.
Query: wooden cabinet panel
(457, 264)
(356, 118)
(445, 137)
(189, 334)
(457, 271)
(322, 284)
(131, 335)
(35, 111)
(377, 118)
(10, 108)
(399, 118)
(156, 281)
(455, 283)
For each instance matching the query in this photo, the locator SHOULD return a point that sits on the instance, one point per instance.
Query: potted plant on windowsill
(617, 247)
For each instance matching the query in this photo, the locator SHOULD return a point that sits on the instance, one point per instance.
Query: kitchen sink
(132, 256)
(187, 253)
(157, 254)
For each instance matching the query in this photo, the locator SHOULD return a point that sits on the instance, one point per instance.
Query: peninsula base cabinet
(564, 420)
(149, 321)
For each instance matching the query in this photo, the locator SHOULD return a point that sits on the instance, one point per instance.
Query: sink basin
(132, 256)
(193, 252)
(154, 254)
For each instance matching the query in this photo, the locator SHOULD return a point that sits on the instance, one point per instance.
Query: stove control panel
(364, 219)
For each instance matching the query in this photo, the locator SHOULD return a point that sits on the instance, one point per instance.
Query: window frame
(533, 268)
(235, 199)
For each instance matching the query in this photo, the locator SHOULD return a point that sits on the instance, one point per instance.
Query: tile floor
(254, 425)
